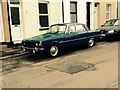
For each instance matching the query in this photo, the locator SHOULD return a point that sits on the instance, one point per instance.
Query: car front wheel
(54, 50)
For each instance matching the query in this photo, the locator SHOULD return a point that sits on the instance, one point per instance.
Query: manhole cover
(70, 66)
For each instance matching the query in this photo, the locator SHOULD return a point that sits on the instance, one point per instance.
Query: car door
(70, 36)
(82, 34)
(94, 34)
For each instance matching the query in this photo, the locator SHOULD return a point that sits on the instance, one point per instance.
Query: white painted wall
(30, 16)
(66, 11)
(81, 11)
(30, 19)
(55, 11)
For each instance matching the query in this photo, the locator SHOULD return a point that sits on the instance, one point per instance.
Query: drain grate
(71, 67)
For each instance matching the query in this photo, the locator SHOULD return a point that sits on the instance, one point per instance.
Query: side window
(71, 28)
(117, 22)
(80, 28)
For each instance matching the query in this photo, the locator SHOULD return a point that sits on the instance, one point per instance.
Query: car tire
(53, 50)
(91, 42)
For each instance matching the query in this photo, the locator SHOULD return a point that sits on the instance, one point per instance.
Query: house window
(108, 11)
(43, 15)
(73, 11)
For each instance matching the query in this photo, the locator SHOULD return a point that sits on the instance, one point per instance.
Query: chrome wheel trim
(53, 51)
(91, 42)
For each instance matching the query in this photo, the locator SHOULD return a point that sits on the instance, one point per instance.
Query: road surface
(95, 67)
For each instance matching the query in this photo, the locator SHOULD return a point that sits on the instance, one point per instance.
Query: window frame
(14, 2)
(75, 3)
(108, 12)
(41, 14)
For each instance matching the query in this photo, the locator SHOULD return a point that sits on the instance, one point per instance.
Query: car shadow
(43, 56)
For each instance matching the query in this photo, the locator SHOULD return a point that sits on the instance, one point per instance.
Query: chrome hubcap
(54, 50)
(91, 42)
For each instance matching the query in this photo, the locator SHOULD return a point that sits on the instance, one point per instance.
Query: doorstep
(11, 52)
(2, 47)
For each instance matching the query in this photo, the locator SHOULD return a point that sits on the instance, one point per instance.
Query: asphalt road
(72, 69)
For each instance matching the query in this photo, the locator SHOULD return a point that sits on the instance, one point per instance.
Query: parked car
(110, 29)
(61, 36)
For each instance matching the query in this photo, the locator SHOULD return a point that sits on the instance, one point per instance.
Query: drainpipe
(117, 8)
(63, 10)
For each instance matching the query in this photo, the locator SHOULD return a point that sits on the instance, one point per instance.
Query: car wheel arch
(52, 45)
(55, 43)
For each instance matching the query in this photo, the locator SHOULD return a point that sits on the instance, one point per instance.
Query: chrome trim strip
(72, 40)
(77, 39)
(95, 35)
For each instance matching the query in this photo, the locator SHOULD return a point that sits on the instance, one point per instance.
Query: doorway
(88, 14)
(96, 16)
(15, 20)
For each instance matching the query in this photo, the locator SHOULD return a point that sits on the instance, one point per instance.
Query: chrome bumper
(34, 50)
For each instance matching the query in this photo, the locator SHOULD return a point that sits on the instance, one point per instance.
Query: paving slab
(71, 66)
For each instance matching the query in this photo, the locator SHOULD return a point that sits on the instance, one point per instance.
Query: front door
(70, 37)
(88, 14)
(15, 20)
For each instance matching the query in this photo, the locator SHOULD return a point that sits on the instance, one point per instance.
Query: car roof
(67, 23)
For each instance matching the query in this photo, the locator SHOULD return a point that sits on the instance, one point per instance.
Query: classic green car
(61, 36)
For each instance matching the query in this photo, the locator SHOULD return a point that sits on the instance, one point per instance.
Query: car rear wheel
(54, 50)
(91, 42)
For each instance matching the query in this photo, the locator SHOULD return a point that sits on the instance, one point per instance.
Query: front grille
(29, 44)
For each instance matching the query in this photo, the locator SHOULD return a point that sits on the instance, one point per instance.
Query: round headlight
(36, 44)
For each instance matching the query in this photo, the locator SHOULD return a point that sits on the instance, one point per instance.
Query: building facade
(106, 10)
(100, 11)
(23, 19)
(4, 24)
(1, 25)
(119, 9)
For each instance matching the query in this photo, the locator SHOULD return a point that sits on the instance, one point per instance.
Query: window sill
(43, 29)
